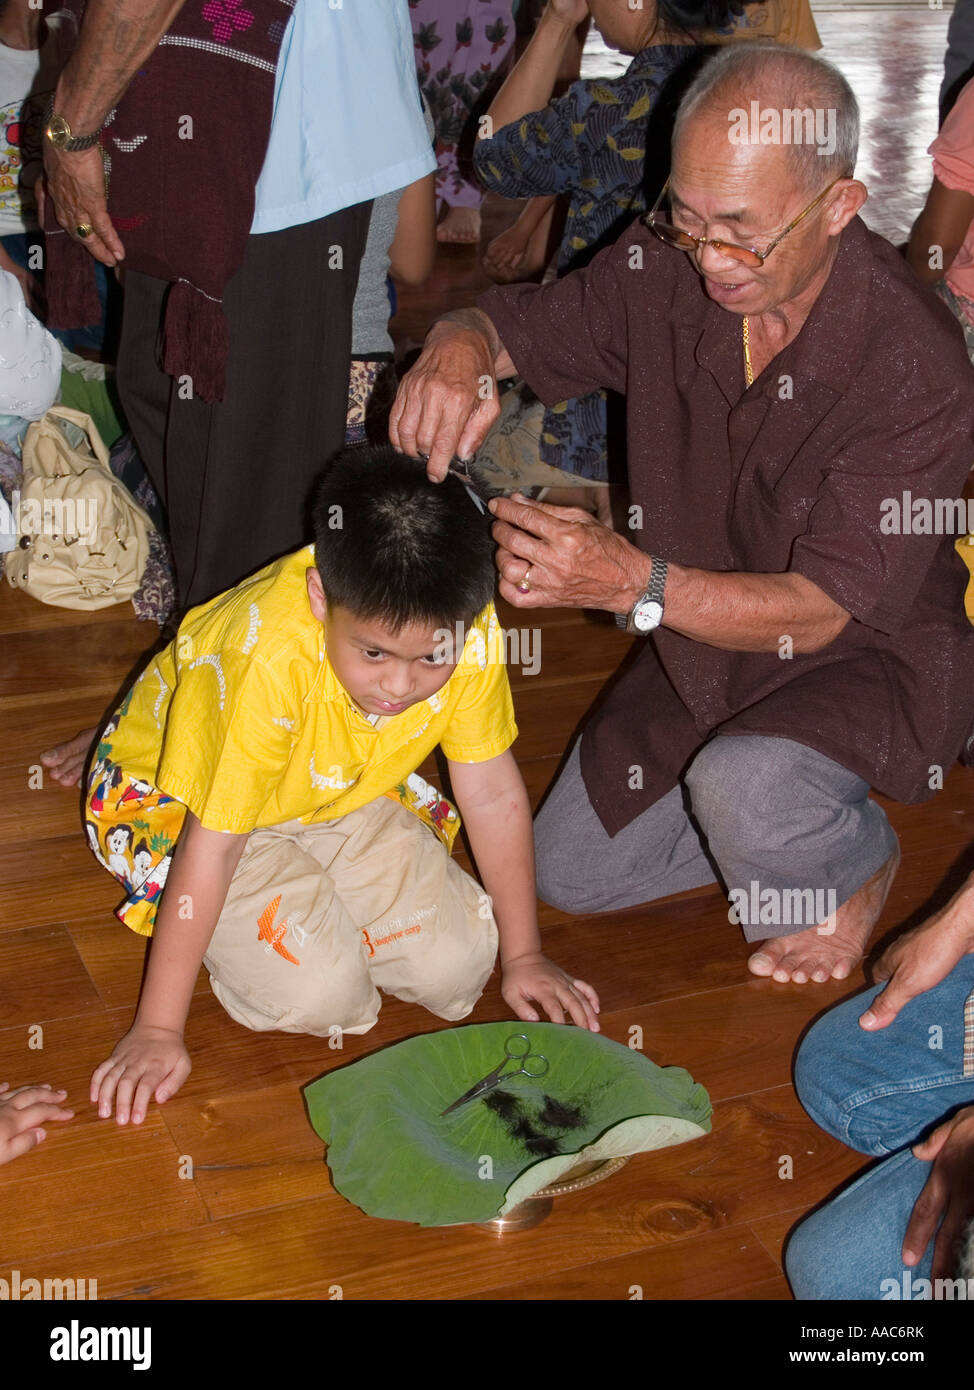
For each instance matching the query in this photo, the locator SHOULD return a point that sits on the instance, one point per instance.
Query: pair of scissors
(517, 1048)
(460, 468)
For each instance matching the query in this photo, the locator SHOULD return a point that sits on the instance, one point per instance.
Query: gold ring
(523, 584)
(84, 229)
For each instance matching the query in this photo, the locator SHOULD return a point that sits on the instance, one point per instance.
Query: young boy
(266, 759)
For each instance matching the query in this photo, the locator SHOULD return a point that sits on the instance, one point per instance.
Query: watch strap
(653, 592)
(76, 142)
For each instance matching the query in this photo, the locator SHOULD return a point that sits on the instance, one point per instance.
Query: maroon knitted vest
(184, 147)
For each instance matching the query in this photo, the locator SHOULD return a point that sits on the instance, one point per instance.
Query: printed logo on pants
(274, 936)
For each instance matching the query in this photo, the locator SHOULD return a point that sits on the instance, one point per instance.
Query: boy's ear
(316, 594)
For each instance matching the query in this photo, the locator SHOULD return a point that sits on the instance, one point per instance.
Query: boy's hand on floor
(534, 979)
(22, 1112)
(147, 1062)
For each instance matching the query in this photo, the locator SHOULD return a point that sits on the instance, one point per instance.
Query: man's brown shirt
(873, 399)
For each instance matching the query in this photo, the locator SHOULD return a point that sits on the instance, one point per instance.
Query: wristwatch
(58, 132)
(647, 612)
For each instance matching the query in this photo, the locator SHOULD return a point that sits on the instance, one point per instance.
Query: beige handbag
(82, 539)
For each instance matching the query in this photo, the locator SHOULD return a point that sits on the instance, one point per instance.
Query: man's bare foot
(66, 761)
(819, 954)
(460, 225)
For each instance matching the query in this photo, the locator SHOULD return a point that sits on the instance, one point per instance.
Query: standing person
(31, 56)
(941, 246)
(459, 45)
(235, 473)
(263, 275)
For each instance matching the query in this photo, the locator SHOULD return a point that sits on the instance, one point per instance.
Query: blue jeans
(879, 1093)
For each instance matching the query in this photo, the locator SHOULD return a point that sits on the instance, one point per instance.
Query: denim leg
(879, 1091)
(852, 1244)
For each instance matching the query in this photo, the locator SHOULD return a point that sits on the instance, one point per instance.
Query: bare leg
(819, 954)
(66, 761)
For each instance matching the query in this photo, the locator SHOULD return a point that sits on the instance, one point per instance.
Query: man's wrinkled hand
(570, 559)
(447, 401)
(75, 183)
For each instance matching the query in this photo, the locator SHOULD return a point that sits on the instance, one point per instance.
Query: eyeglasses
(747, 255)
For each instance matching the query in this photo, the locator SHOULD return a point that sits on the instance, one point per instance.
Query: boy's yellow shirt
(242, 719)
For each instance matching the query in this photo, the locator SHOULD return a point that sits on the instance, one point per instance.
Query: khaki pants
(319, 917)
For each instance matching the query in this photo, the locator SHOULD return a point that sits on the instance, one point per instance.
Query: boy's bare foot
(66, 761)
(460, 225)
(819, 955)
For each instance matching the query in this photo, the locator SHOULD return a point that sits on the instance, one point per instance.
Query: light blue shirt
(347, 123)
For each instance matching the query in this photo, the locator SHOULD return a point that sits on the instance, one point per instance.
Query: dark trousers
(235, 477)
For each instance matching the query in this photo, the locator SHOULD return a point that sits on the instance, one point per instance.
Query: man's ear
(316, 594)
(852, 195)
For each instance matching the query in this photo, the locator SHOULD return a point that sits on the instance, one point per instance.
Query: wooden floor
(259, 1218)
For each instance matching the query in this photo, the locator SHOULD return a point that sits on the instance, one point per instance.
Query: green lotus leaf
(394, 1154)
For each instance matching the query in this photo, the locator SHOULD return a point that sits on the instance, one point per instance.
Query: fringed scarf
(184, 148)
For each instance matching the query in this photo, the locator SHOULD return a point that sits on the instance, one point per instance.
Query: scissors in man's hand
(517, 1048)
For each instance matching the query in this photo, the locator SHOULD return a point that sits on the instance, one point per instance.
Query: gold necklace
(748, 369)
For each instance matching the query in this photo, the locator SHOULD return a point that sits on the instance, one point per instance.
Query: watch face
(647, 615)
(58, 131)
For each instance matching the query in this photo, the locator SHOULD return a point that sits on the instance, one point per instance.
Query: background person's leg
(879, 1091)
(143, 387)
(851, 1245)
(240, 473)
(582, 869)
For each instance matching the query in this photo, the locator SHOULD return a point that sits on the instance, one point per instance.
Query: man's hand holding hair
(447, 401)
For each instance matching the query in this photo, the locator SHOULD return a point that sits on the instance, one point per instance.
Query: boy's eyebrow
(370, 646)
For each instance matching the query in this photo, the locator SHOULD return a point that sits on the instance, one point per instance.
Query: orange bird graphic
(274, 936)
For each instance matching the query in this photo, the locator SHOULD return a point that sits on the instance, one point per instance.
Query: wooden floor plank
(708, 1266)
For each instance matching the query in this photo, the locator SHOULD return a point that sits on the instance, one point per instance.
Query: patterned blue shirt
(591, 144)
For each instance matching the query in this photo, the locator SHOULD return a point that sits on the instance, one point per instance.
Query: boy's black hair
(392, 545)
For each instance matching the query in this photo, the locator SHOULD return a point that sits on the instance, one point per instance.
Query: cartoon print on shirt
(93, 842)
(118, 841)
(142, 864)
(422, 794)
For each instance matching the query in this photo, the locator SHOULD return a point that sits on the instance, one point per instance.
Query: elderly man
(785, 378)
